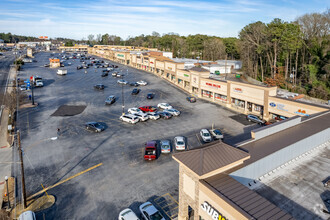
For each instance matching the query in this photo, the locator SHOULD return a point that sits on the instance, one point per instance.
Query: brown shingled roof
(211, 157)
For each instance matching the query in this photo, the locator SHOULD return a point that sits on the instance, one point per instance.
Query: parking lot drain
(69, 110)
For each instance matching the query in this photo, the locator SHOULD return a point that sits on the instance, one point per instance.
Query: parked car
(46, 65)
(255, 119)
(127, 214)
(148, 108)
(216, 133)
(129, 118)
(165, 115)
(165, 146)
(134, 110)
(94, 126)
(119, 75)
(134, 84)
(173, 111)
(104, 74)
(164, 106)
(149, 212)
(99, 86)
(114, 74)
(191, 99)
(150, 95)
(23, 87)
(150, 150)
(179, 143)
(79, 67)
(142, 116)
(135, 91)
(27, 215)
(110, 100)
(142, 83)
(153, 115)
(206, 136)
(121, 81)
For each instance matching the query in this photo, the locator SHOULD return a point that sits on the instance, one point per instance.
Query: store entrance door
(190, 213)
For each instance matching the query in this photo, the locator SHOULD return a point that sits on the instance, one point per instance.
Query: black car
(104, 74)
(135, 91)
(79, 67)
(99, 86)
(150, 95)
(94, 126)
(165, 115)
(46, 65)
(191, 99)
(134, 84)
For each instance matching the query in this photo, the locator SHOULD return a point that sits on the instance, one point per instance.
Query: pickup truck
(150, 151)
(148, 108)
(62, 72)
(37, 81)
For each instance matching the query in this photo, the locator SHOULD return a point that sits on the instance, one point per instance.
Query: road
(5, 61)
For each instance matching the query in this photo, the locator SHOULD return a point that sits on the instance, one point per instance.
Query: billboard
(43, 37)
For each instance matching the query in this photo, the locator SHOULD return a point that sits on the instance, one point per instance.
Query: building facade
(242, 97)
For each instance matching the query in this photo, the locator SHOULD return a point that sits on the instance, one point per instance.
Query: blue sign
(26, 81)
(272, 104)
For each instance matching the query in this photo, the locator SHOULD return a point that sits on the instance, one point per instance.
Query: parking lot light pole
(122, 95)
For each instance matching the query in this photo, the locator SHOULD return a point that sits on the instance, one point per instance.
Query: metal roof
(265, 146)
(248, 202)
(211, 157)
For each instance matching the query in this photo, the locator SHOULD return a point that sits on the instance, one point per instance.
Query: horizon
(129, 19)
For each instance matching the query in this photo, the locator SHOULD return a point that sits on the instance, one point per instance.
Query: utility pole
(22, 168)
(122, 94)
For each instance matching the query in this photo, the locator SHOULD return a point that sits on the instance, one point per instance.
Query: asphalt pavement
(122, 178)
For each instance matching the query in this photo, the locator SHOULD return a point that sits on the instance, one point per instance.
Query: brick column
(228, 94)
(183, 205)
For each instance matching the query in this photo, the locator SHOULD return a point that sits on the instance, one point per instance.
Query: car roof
(179, 138)
(204, 130)
(148, 207)
(128, 214)
(151, 143)
(165, 141)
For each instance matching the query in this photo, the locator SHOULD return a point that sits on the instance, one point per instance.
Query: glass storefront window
(239, 103)
(207, 94)
(257, 108)
(220, 97)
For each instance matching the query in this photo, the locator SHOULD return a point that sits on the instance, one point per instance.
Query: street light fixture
(6, 178)
(122, 93)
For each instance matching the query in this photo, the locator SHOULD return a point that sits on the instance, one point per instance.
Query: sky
(77, 19)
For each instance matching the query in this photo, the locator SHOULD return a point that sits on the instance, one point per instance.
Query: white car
(149, 212)
(173, 111)
(142, 83)
(129, 118)
(121, 81)
(142, 116)
(153, 115)
(127, 214)
(216, 133)
(134, 110)
(164, 106)
(206, 136)
(179, 143)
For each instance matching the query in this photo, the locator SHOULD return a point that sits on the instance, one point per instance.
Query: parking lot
(122, 179)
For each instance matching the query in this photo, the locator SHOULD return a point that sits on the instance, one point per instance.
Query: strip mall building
(239, 96)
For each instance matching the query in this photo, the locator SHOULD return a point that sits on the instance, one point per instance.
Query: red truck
(150, 151)
(148, 108)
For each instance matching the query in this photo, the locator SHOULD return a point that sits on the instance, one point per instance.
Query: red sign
(213, 85)
(238, 90)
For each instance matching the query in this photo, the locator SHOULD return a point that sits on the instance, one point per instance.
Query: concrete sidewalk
(5, 152)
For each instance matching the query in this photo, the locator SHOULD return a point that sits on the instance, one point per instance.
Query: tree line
(291, 55)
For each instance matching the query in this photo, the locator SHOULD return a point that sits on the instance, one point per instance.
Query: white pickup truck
(62, 72)
(37, 80)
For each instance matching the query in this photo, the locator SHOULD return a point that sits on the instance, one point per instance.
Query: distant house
(2, 42)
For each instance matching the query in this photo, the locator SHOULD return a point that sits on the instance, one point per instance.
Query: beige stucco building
(242, 97)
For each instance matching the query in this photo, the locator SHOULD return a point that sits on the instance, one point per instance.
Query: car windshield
(217, 132)
(180, 143)
(150, 152)
(206, 134)
(97, 125)
(165, 146)
(156, 216)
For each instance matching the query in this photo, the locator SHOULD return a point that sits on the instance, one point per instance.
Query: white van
(129, 118)
(62, 72)
(28, 215)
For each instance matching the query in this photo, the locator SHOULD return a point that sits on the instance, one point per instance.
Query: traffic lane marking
(63, 181)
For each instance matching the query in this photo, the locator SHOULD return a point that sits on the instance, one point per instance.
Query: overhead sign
(215, 214)
(239, 90)
(120, 55)
(301, 112)
(272, 104)
(43, 37)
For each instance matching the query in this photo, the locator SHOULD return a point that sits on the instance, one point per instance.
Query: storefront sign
(301, 112)
(151, 62)
(272, 104)
(120, 55)
(170, 68)
(213, 85)
(281, 107)
(238, 90)
(186, 75)
(215, 215)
